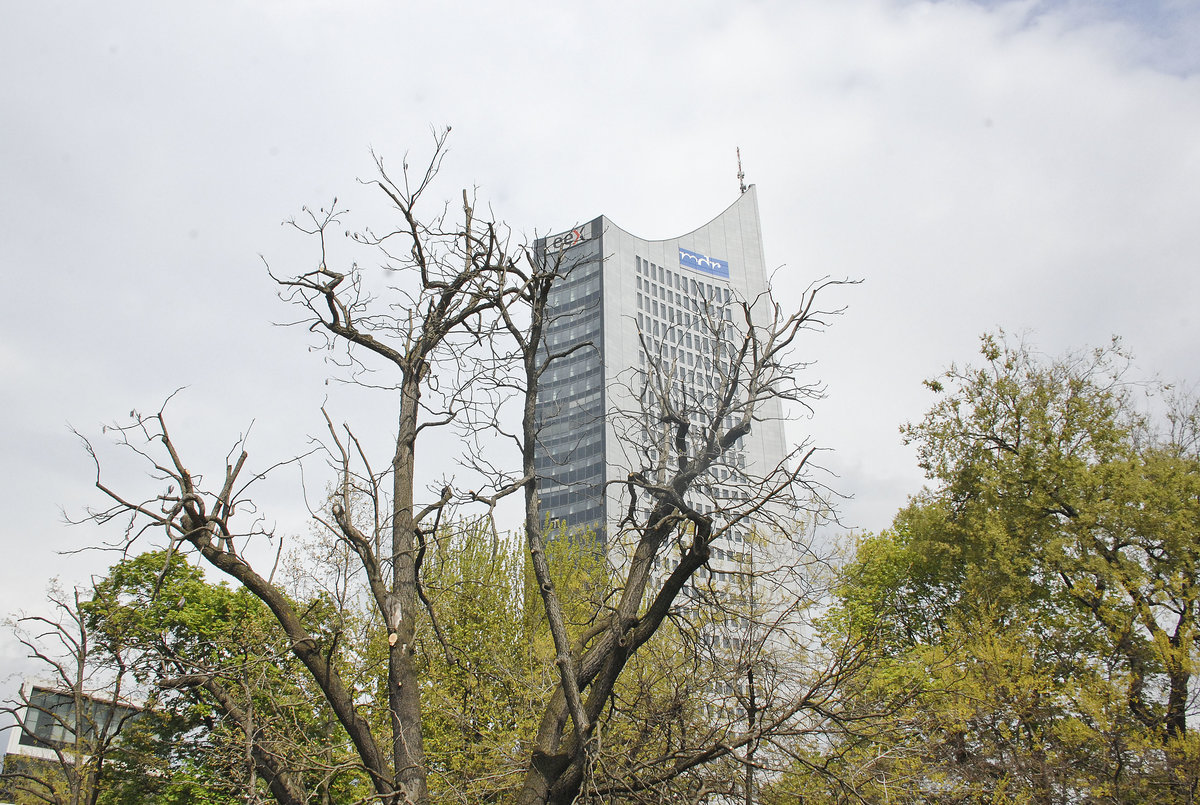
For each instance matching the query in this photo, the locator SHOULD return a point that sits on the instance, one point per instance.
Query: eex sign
(568, 239)
(706, 265)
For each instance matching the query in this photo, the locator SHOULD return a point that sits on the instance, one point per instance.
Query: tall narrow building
(635, 320)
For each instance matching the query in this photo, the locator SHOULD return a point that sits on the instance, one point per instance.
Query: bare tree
(447, 282)
(72, 720)
(462, 338)
(754, 371)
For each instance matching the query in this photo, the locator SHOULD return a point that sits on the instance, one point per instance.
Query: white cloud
(1024, 164)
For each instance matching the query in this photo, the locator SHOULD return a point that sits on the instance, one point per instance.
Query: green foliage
(487, 669)
(202, 649)
(478, 667)
(161, 759)
(1033, 614)
(488, 666)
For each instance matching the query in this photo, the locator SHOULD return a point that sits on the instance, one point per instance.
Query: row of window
(687, 313)
(731, 556)
(571, 291)
(557, 419)
(574, 474)
(571, 307)
(719, 576)
(656, 280)
(577, 330)
(585, 448)
(571, 367)
(665, 336)
(570, 501)
(562, 450)
(678, 367)
(570, 397)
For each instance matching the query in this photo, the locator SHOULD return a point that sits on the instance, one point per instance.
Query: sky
(1032, 166)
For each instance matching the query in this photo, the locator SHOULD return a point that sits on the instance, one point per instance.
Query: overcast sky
(1019, 164)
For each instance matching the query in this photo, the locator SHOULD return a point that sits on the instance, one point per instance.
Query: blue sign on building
(706, 265)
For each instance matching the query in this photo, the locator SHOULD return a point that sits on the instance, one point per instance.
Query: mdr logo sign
(705, 265)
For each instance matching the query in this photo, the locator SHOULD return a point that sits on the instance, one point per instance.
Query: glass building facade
(570, 406)
(634, 313)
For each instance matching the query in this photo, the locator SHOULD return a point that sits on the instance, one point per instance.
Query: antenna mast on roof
(741, 174)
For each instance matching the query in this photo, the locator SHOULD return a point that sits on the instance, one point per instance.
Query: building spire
(741, 173)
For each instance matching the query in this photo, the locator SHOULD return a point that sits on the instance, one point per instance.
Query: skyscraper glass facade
(646, 319)
(571, 399)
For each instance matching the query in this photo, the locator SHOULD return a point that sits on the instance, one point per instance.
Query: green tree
(1039, 601)
(487, 659)
(1095, 505)
(229, 710)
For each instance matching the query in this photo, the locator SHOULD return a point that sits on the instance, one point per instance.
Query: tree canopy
(1036, 606)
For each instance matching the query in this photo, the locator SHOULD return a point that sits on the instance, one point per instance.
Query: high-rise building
(638, 318)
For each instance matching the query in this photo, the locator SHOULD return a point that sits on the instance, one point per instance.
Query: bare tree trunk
(284, 787)
(304, 647)
(751, 717)
(404, 694)
(550, 755)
